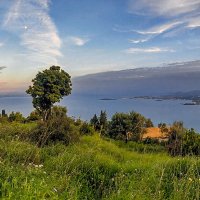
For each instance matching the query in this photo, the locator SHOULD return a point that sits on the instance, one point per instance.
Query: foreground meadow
(93, 168)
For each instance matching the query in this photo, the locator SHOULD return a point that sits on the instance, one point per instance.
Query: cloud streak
(180, 15)
(147, 50)
(138, 41)
(168, 8)
(31, 21)
(159, 29)
(78, 41)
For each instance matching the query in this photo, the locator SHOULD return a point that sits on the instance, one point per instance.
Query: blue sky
(94, 35)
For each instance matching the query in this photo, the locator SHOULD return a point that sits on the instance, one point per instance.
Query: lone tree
(48, 88)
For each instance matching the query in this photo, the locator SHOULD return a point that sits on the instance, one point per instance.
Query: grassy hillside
(93, 168)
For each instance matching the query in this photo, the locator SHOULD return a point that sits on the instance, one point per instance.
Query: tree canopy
(48, 88)
(122, 124)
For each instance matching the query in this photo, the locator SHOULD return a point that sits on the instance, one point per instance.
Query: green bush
(182, 141)
(58, 127)
(16, 117)
(86, 129)
(34, 116)
(127, 126)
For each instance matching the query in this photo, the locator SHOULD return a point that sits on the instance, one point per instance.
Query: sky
(91, 36)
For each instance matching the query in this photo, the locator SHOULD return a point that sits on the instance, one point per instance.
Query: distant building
(155, 133)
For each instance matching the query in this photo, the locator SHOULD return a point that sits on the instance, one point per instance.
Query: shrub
(86, 129)
(182, 141)
(16, 117)
(34, 116)
(58, 127)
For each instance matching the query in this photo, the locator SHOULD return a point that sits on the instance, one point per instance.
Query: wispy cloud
(180, 15)
(147, 50)
(77, 41)
(138, 41)
(31, 21)
(159, 29)
(167, 8)
(151, 32)
(1, 44)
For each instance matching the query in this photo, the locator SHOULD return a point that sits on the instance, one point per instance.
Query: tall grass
(93, 168)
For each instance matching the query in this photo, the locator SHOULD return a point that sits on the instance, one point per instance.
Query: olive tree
(49, 87)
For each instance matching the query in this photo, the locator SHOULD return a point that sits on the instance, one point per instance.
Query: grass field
(93, 168)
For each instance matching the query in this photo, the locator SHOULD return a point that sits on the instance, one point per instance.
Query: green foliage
(16, 131)
(34, 116)
(86, 129)
(191, 143)
(103, 122)
(4, 119)
(94, 169)
(100, 123)
(163, 127)
(48, 88)
(149, 123)
(95, 122)
(176, 133)
(183, 142)
(149, 140)
(16, 117)
(121, 124)
(58, 127)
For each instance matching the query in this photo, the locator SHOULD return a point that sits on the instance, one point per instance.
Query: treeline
(57, 128)
(18, 117)
(122, 126)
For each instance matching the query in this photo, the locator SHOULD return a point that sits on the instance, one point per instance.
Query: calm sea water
(166, 111)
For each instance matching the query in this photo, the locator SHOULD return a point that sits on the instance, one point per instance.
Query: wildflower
(189, 179)
(40, 166)
(55, 190)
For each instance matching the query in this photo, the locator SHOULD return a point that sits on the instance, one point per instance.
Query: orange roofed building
(155, 133)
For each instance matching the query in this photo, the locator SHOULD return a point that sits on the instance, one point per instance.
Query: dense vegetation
(76, 162)
(92, 168)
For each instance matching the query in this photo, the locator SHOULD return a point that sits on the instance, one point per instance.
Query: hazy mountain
(168, 79)
(13, 94)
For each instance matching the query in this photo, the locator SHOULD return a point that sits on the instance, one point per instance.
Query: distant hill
(175, 78)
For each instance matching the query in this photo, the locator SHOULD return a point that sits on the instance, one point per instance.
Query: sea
(84, 107)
